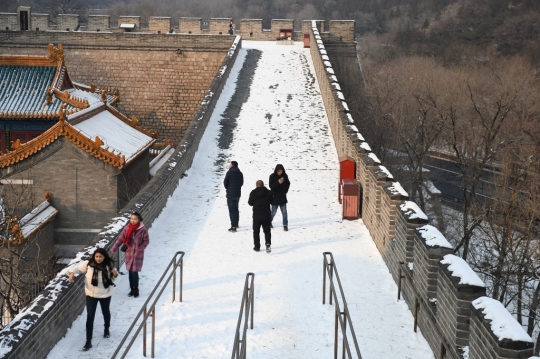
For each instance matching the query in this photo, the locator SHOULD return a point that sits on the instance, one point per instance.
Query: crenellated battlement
(252, 29)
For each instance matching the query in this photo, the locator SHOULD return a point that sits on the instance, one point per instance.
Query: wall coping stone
(461, 274)
(504, 343)
(412, 213)
(381, 173)
(396, 192)
(367, 158)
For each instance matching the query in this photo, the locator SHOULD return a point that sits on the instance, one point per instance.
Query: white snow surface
(290, 320)
(433, 237)
(118, 136)
(462, 270)
(38, 216)
(413, 210)
(503, 324)
(397, 188)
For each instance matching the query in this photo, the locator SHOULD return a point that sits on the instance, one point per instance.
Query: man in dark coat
(261, 198)
(279, 185)
(233, 182)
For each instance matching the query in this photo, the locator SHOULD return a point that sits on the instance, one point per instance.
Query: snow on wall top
(396, 188)
(373, 157)
(412, 211)
(38, 216)
(386, 172)
(116, 134)
(462, 270)
(503, 324)
(433, 237)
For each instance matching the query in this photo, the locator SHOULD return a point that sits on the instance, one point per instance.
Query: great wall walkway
(280, 119)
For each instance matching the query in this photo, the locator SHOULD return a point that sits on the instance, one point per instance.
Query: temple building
(32, 90)
(67, 140)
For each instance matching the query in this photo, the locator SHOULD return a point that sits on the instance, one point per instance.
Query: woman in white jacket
(98, 285)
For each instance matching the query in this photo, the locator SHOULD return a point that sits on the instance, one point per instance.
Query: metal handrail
(240, 344)
(329, 267)
(176, 262)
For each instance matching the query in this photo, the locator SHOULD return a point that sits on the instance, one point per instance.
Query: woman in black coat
(279, 185)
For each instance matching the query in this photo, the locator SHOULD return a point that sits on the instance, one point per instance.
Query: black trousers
(91, 306)
(133, 279)
(265, 223)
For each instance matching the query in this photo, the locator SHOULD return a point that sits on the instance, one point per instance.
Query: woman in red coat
(133, 240)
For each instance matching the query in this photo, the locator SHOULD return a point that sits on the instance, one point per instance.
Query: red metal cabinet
(306, 40)
(351, 198)
(347, 170)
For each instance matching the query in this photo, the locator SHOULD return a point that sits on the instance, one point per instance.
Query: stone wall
(73, 192)
(442, 304)
(98, 22)
(162, 78)
(250, 29)
(34, 332)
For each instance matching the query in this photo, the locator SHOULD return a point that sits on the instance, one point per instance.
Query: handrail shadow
(239, 346)
(177, 262)
(342, 317)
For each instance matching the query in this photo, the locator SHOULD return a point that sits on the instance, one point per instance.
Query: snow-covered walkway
(282, 121)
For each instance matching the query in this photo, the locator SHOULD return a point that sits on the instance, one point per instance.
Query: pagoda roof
(101, 131)
(37, 86)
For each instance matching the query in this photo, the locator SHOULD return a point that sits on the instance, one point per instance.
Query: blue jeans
(232, 203)
(283, 208)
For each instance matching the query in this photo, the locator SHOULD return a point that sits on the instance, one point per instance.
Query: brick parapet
(408, 251)
(46, 320)
(483, 344)
(160, 25)
(454, 303)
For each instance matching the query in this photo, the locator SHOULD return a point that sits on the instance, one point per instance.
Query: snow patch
(412, 210)
(433, 237)
(462, 270)
(396, 188)
(503, 324)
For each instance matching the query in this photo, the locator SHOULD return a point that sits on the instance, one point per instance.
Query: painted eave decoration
(101, 131)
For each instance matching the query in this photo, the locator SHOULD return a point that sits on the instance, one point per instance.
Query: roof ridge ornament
(103, 96)
(55, 54)
(99, 142)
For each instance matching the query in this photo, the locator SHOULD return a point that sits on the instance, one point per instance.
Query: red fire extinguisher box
(347, 170)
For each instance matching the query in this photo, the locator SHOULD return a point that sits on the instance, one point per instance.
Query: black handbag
(123, 248)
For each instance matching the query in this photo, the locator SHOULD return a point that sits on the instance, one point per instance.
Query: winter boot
(87, 346)
(136, 292)
(106, 334)
(131, 292)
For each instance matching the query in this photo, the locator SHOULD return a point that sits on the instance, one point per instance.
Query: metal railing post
(144, 332)
(336, 335)
(149, 310)
(342, 318)
(416, 306)
(153, 331)
(324, 281)
(245, 317)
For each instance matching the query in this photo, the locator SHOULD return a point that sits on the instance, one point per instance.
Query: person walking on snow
(99, 279)
(279, 185)
(260, 199)
(233, 182)
(133, 240)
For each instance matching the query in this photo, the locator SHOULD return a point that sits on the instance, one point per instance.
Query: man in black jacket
(261, 198)
(279, 184)
(233, 182)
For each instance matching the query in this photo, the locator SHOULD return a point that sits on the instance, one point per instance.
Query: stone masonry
(451, 328)
(162, 78)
